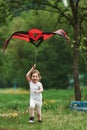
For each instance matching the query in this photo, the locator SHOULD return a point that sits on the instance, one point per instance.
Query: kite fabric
(35, 36)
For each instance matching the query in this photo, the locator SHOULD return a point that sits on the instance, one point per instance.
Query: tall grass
(56, 112)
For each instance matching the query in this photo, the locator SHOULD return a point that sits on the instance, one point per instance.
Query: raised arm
(28, 75)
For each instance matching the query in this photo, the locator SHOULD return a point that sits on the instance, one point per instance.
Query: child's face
(35, 77)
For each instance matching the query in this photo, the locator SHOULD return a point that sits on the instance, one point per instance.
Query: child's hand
(36, 91)
(34, 66)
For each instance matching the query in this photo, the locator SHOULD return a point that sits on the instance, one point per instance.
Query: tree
(78, 15)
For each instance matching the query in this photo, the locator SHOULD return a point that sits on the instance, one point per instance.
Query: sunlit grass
(14, 91)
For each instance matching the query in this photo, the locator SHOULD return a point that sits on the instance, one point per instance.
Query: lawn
(56, 112)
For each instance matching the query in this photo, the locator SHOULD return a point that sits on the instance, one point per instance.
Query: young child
(36, 89)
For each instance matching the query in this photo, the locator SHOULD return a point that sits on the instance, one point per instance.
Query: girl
(36, 89)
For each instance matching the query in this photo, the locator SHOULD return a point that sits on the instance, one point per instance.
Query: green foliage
(12, 9)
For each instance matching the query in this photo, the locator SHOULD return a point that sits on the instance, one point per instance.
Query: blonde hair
(35, 71)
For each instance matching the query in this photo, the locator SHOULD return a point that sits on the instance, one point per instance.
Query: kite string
(35, 55)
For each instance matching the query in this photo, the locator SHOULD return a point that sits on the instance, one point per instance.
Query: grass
(56, 113)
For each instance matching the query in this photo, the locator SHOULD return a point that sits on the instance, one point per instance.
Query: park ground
(56, 112)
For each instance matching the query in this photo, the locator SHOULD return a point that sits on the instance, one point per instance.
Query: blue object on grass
(79, 105)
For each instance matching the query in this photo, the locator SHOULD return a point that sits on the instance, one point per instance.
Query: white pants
(37, 104)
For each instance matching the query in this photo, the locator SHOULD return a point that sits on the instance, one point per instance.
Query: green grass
(56, 113)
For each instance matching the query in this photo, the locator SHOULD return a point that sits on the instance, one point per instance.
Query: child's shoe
(31, 120)
(40, 121)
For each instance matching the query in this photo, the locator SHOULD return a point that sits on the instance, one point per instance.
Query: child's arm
(40, 89)
(28, 75)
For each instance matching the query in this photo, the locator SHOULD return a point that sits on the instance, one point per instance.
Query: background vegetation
(54, 56)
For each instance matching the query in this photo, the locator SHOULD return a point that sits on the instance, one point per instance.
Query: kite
(35, 36)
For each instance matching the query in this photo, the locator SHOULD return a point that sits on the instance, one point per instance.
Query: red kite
(35, 36)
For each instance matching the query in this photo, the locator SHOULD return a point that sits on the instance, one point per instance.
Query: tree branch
(56, 10)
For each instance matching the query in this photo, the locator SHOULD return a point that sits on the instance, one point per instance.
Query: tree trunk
(76, 62)
(76, 75)
(76, 27)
